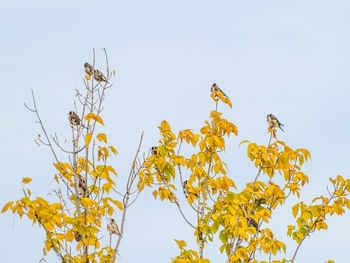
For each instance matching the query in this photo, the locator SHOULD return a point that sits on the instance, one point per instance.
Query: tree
(87, 187)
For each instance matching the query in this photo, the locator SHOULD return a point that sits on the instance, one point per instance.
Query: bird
(154, 150)
(82, 186)
(186, 189)
(214, 89)
(273, 122)
(112, 227)
(252, 223)
(74, 119)
(98, 76)
(77, 236)
(88, 69)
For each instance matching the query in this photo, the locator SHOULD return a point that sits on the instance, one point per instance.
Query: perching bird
(186, 189)
(77, 236)
(98, 76)
(88, 69)
(273, 122)
(82, 187)
(252, 223)
(154, 150)
(214, 89)
(112, 227)
(74, 118)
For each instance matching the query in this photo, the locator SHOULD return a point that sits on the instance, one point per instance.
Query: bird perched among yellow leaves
(82, 186)
(215, 89)
(186, 189)
(273, 122)
(112, 227)
(77, 236)
(252, 223)
(154, 150)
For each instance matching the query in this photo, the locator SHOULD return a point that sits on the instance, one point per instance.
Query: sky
(288, 58)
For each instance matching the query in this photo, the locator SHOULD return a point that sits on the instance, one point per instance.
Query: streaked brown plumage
(98, 76)
(112, 227)
(82, 187)
(88, 69)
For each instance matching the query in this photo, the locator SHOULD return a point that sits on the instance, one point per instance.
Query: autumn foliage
(87, 184)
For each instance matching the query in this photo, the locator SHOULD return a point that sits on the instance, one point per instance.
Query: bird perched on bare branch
(273, 122)
(215, 89)
(82, 186)
(98, 76)
(112, 227)
(88, 69)
(74, 119)
(154, 150)
(252, 223)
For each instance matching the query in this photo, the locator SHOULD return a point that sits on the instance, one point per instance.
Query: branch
(126, 201)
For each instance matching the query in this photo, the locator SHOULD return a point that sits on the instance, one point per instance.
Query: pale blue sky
(289, 58)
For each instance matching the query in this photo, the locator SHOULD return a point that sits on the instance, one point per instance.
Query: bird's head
(269, 115)
(71, 113)
(86, 64)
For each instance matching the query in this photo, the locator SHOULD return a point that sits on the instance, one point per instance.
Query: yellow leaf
(26, 180)
(69, 236)
(102, 137)
(94, 117)
(243, 142)
(118, 204)
(295, 209)
(180, 243)
(110, 211)
(80, 244)
(6, 207)
(338, 209)
(113, 150)
(306, 215)
(314, 209)
(87, 139)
